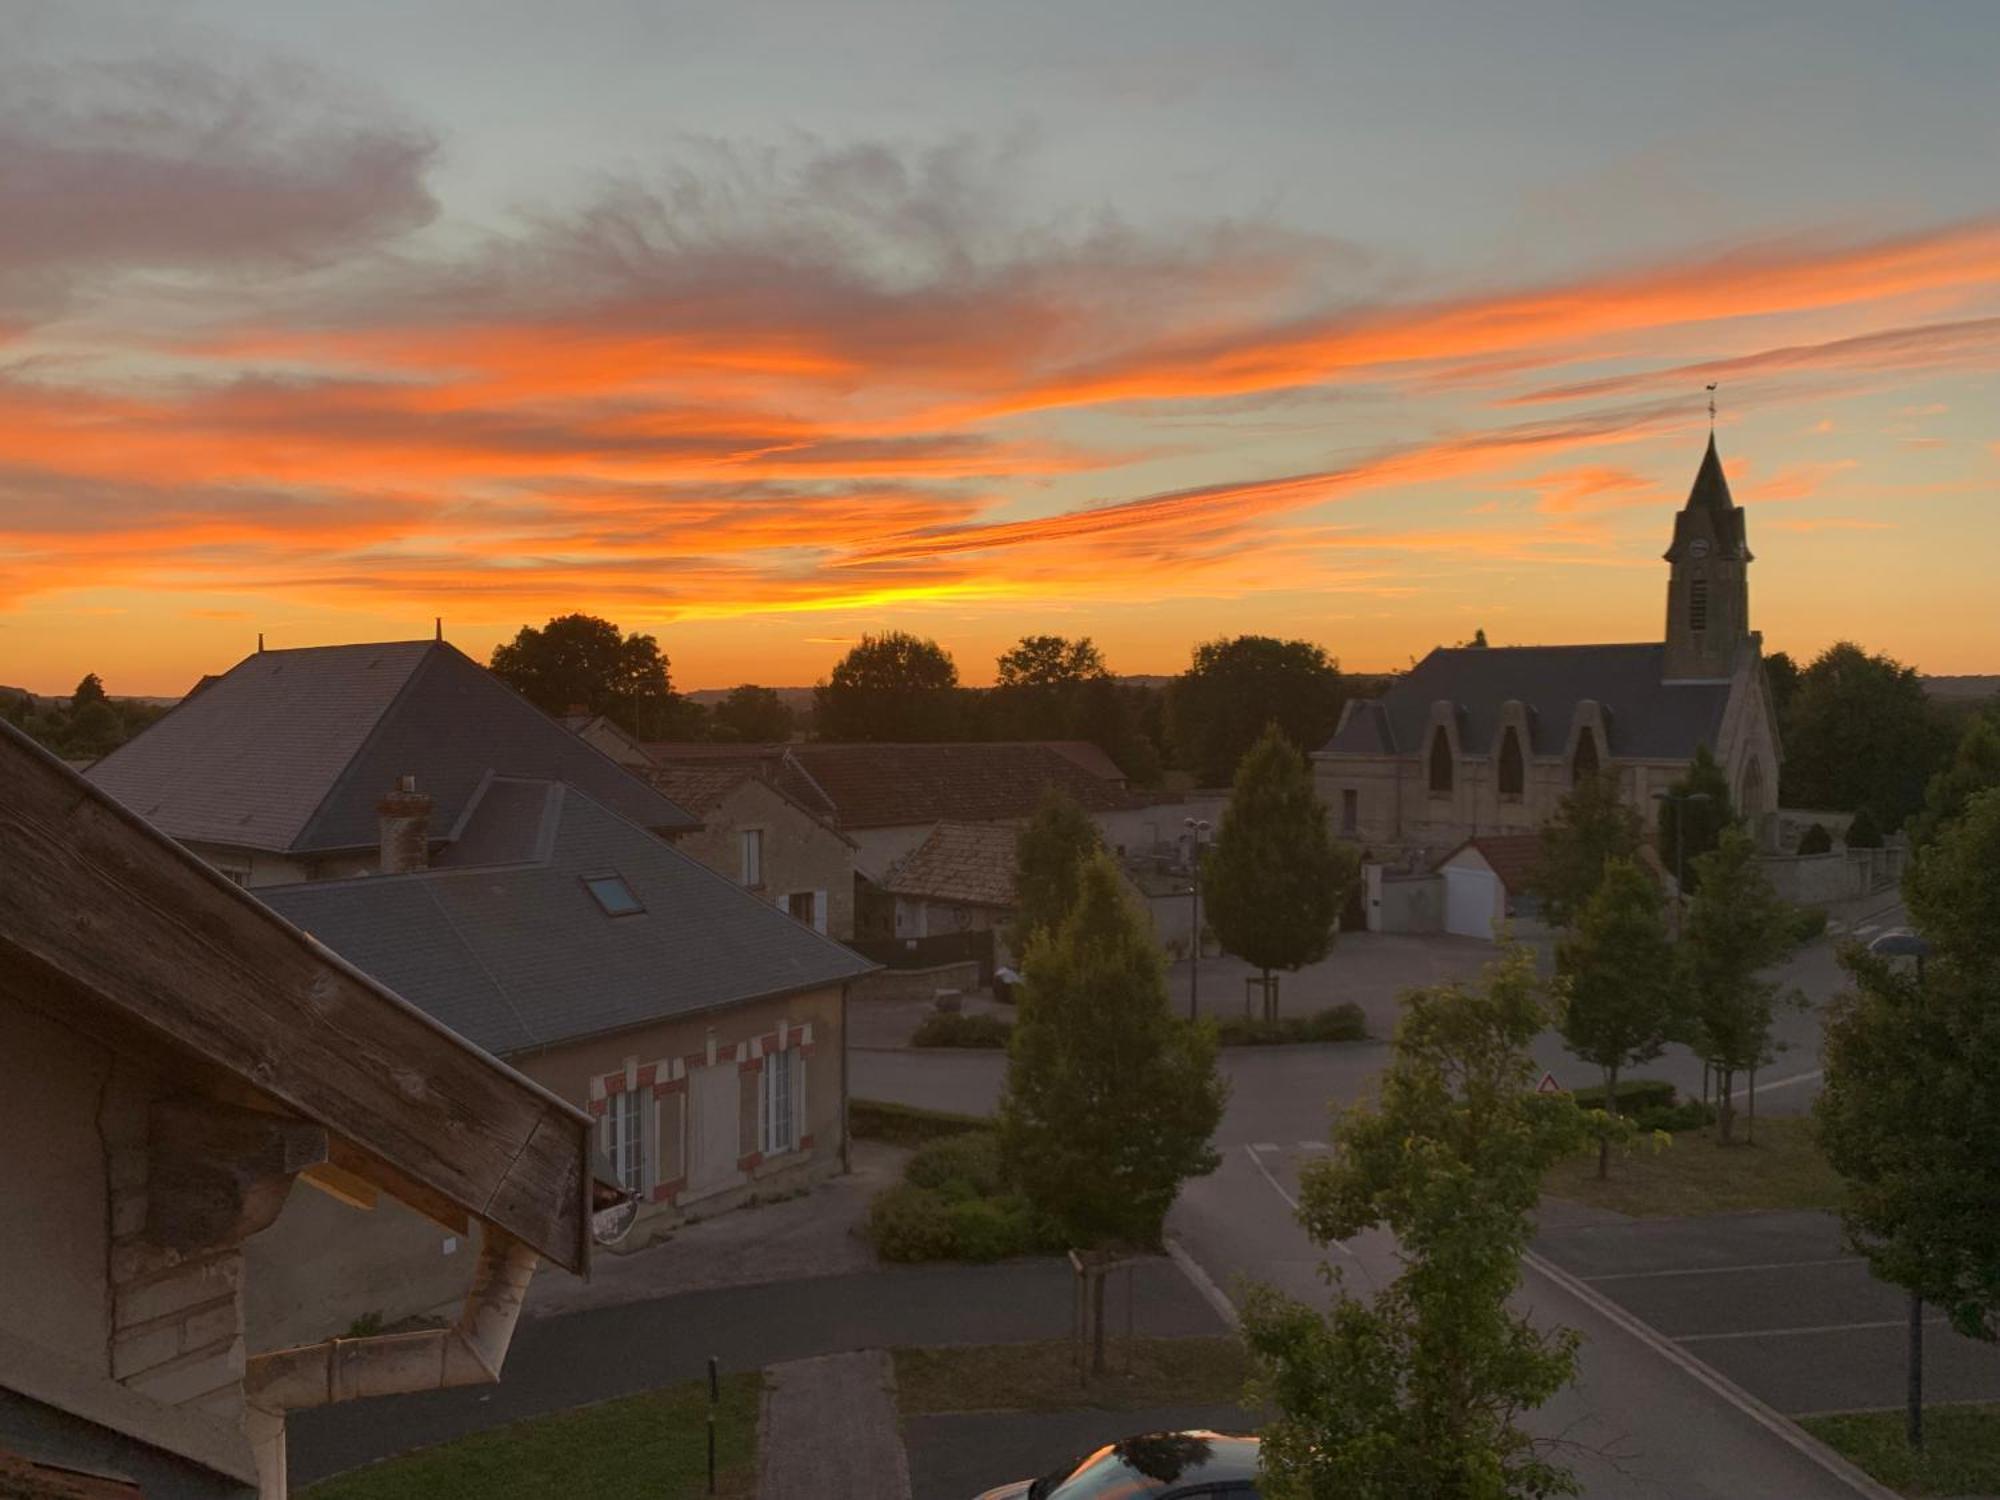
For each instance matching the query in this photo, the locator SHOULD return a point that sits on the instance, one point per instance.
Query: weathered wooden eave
(98, 907)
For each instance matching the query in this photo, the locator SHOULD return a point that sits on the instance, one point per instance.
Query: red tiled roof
(971, 864)
(1511, 856)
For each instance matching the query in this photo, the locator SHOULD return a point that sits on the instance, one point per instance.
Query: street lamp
(1196, 827)
(1680, 800)
(1903, 943)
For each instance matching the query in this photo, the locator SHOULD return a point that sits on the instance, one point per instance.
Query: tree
(1816, 840)
(752, 715)
(1861, 732)
(1049, 661)
(1975, 766)
(1275, 877)
(1111, 716)
(1589, 827)
(1689, 829)
(1952, 889)
(1420, 1390)
(1050, 855)
(1864, 832)
(88, 691)
(1234, 687)
(1736, 928)
(1110, 1100)
(1781, 676)
(583, 662)
(1615, 983)
(893, 686)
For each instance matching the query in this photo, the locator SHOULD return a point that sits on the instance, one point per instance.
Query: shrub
(1337, 1023)
(1864, 832)
(1689, 1114)
(1634, 1095)
(912, 1223)
(996, 1228)
(1816, 840)
(959, 1166)
(907, 1223)
(956, 1029)
(905, 1124)
(1808, 922)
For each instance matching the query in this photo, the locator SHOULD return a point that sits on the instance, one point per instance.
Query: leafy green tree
(1590, 826)
(1275, 877)
(1864, 832)
(1049, 661)
(1700, 824)
(1420, 1390)
(1861, 732)
(1234, 687)
(890, 687)
(90, 690)
(1050, 855)
(1737, 927)
(752, 715)
(583, 662)
(1110, 1100)
(1975, 766)
(1953, 886)
(1111, 716)
(1781, 675)
(1615, 981)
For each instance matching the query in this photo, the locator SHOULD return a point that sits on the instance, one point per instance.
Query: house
(702, 1029)
(597, 730)
(1478, 740)
(759, 835)
(959, 879)
(179, 1061)
(272, 771)
(1487, 882)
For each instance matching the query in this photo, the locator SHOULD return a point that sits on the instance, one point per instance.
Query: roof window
(614, 895)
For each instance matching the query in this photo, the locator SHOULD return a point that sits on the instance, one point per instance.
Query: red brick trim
(751, 1162)
(596, 1106)
(668, 1086)
(805, 1143)
(751, 1065)
(666, 1192)
(646, 1074)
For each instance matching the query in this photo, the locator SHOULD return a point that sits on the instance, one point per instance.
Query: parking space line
(1796, 1333)
(1781, 1083)
(1769, 1265)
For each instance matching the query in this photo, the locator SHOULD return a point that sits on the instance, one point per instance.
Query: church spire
(1708, 589)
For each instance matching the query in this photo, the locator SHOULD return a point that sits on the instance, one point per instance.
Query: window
(625, 1138)
(1513, 774)
(753, 856)
(783, 1101)
(1584, 763)
(1440, 763)
(1698, 604)
(800, 905)
(234, 876)
(613, 894)
(1350, 810)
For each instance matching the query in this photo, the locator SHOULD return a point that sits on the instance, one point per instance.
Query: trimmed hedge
(1816, 840)
(1689, 1114)
(905, 1124)
(1337, 1023)
(947, 1028)
(959, 1166)
(1634, 1095)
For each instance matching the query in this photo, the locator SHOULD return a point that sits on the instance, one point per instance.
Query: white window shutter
(819, 911)
(798, 1096)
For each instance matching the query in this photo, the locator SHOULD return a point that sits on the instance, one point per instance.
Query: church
(1476, 741)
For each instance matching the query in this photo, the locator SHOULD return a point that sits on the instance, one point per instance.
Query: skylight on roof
(614, 895)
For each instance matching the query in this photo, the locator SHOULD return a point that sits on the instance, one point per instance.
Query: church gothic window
(1513, 774)
(1440, 764)
(1584, 762)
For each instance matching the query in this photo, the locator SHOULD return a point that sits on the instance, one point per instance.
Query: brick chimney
(406, 828)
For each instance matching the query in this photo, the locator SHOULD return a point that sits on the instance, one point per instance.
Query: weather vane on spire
(1711, 408)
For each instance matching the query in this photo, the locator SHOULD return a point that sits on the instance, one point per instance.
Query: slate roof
(1710, 495)
(1645, 716)
(289, 751)
(893, 786)
(519, 956)
(969, 864)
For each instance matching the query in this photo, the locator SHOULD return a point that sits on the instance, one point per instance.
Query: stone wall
(913, 984)
(800, 853)
(1843, 875)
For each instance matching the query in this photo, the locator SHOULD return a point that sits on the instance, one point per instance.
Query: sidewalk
(828, 1430)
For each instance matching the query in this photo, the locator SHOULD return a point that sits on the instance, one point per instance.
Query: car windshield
(1137, 1467)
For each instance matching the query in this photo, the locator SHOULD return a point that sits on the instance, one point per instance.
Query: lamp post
(1196, 827)
(1679, 801)
(1903, 943)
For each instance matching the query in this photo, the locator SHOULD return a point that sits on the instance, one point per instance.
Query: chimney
(406, 828)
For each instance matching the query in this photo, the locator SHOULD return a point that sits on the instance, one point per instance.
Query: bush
(905, 1124)
(1689, 1114)
(912, 1223)
(956, 1029)
(1864, 832)
(1634, 1095)
(996, 1228)
(1816, 840)
(1808, 922)
(959, 1166)
(1337, 1023)
(907, 1222)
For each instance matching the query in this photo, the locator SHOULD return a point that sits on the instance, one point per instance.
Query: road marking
(1794, 1333)
(1290, 1202)
(1781, 1083)
(1771, 1265)
(1204, 1283)
(1763, 1415)
(1265, 1146)
(1314, 1146)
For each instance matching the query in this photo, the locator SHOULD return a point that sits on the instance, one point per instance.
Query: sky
(762, 326)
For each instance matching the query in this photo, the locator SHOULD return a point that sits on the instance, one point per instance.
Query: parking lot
(1777, 1304)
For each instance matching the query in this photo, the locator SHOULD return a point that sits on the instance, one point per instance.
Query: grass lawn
(657, 1441)
(1961, 1453)
(1042, 1376)
(1696, 1176)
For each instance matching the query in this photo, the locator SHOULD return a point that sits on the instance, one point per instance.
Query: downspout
(470, 1352)
(846, 1131)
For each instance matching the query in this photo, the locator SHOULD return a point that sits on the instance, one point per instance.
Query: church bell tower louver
(1708, 587)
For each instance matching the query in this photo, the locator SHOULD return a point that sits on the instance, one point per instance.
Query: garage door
(1471, 897)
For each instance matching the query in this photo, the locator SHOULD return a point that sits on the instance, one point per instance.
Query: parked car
(1154, 1466)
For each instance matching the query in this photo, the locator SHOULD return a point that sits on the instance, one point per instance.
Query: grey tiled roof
(289, 751)
(515, 956)
(1645, 715)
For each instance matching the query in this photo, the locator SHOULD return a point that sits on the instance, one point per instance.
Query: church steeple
(1708, 587)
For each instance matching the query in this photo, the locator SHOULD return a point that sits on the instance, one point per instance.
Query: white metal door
(1470, 899)
(713, 1123)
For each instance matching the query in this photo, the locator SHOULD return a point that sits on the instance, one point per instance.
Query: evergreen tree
(1589, 827)
(1690, 829)
(1736, 928)
(1275, 877)
(1050, 855)
(1615, 981)
(1864, 832)
(1816, 840)
(890, 687)
(1420, 1390)
(1110, 1099)
(89, 690)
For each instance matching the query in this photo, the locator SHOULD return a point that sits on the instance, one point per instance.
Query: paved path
(827, 1430)
(560, 1362)
(963, 1454)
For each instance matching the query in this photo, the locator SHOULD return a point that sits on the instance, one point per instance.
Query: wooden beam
(342, 1185)
(218, 1174)
(115, 910)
